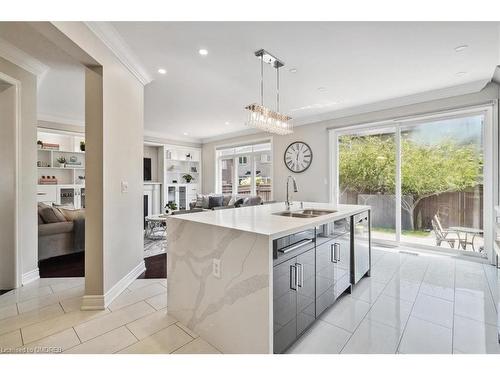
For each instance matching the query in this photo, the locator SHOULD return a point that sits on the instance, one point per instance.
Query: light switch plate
(124, 186)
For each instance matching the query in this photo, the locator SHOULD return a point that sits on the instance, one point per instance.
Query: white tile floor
(411, 304)
(45, 316)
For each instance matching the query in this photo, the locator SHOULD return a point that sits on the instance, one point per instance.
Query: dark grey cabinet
(361, 262)
(293, 298)
(333, 262)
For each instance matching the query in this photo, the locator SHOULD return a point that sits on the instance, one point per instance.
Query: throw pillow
(199, 201)
(72, 215)
(205, 202)
(227, 199)
(238, 202)
(68, 206)
(51, 215)
(215, 201)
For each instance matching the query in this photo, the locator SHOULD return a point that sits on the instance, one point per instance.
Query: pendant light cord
(262, 80)
(277, 89)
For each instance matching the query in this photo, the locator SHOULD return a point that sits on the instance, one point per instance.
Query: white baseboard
(30, 276)
(100, 302)
(93, 302)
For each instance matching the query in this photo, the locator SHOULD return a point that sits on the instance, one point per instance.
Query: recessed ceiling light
(461, 48)
(322, 89)
(227, 123)
(461, 73)
(162, 71)
(292, 70)
(203, 52)
(185, 133)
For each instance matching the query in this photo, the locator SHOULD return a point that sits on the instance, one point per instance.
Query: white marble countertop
(260, 219)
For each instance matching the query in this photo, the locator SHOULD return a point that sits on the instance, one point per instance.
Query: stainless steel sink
(317, 212)
(305, 213)
(294, 214)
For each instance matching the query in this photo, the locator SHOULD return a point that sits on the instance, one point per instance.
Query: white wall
(122, 153)
(8, 238)
(313, 184)
(28, 245)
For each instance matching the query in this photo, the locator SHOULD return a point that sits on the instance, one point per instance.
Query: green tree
(367, 165)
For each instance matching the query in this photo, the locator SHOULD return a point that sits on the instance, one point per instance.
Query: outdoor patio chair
(442, 234)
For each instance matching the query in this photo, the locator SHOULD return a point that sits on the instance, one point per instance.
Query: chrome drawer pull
(336, 247)
(333, 259)
(293, 273)
(295, 247)
(301, 278)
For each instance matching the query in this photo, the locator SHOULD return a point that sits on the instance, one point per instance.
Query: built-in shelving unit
(179, 161)
(70, 187)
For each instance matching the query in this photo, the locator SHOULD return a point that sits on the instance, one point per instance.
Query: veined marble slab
(260, 219)
(233, 312)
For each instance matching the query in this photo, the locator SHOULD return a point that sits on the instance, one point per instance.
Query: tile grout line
(371, 306)
(454, 299)
(411, 310)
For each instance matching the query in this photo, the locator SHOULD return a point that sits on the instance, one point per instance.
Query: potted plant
(39, 144)
(188, 178)
(170, 206)
(82, 146)
(62, 161)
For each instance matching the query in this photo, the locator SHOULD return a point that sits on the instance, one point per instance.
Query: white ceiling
(357, 63)
(61, 89)
(204, 96)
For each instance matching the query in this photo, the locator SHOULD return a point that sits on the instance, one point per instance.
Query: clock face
(298, 157)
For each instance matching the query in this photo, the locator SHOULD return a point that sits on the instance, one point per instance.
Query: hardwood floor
(156, 267)
(73, 265)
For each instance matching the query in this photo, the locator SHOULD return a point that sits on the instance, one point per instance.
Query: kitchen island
(236, 277)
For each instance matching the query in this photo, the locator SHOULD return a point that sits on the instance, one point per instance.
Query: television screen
(147, 169)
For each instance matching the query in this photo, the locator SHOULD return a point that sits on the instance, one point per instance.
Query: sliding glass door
(442, 183)
(425, 180)
(367, 175)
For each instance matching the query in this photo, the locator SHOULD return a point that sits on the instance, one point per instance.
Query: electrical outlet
(216, 268)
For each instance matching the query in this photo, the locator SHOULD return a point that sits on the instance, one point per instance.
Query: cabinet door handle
(336, 250)
(300, 270)
(333, 259)
(293, 277)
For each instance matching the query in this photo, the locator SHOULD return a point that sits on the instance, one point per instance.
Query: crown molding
(60, 119)
(112, 39)
(17, 56)
(160, 137)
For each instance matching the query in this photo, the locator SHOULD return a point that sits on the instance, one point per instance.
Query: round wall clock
(298, 157)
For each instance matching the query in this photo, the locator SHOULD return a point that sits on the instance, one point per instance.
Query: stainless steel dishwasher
(361, 255)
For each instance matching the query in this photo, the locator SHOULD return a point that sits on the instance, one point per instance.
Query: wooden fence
(454, 209)
(263, 190)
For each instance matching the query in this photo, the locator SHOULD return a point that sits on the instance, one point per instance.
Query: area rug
(154, 247)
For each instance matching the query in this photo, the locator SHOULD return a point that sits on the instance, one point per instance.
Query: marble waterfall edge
(233, 312)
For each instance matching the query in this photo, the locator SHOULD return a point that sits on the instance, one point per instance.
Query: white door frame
(17, 212)
(490, 169)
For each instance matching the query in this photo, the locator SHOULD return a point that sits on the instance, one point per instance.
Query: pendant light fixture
(264, 118)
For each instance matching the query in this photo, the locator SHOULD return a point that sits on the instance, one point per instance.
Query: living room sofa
(221, 201)
(59, 234)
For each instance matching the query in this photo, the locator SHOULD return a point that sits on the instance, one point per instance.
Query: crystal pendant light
(261, 117)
